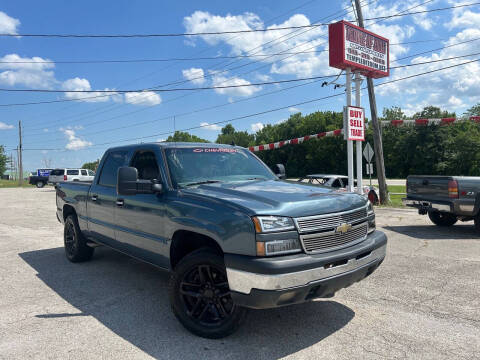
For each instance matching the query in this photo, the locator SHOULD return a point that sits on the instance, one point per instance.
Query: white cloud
(264, 43)
(294, 109)
(143, 98)
(195, 75)
(45, 130)
(213, 127)
(463, 17)
(8, 24)
(35, 75)
(221, 80)
(74, 142)
(257, 126)
(161, 140)
(4, 126)
(78, 84)
(263, 77)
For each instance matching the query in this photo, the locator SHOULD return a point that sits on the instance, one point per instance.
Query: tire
(76, 248)
(441, 218)
(477, 223)
(40, 184)
(200, 296)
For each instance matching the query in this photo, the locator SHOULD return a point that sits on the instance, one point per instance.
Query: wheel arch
(68, 210)
(184, 242)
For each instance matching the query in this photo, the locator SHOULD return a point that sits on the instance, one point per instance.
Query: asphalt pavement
(422, 303)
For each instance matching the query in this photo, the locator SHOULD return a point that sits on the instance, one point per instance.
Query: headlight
(264, 224)
(278, 247)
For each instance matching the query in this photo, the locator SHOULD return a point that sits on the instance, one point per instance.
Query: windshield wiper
(256, 178)
(202, 182)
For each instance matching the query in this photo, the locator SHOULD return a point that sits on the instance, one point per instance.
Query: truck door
(102, 196)
(139, 218)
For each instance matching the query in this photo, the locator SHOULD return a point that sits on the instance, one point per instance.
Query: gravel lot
(423, 302)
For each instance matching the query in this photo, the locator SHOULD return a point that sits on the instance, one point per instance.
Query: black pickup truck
(446, 199)
(232, 233)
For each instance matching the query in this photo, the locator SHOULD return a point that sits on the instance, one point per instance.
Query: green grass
(396, 200)
(13, 183)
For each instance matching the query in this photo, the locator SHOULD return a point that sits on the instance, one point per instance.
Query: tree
(393, 113)
(3, 161)
(241, 138)
(91, 165)
(432, 112)
(473, 111)
(181, 136)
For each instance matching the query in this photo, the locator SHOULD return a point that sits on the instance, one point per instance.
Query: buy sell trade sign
(354, 118)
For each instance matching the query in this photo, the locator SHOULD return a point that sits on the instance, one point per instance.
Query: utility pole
(348, 85)
(20, 163)
(377, 131)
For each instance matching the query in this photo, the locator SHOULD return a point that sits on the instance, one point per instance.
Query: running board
(93, 244)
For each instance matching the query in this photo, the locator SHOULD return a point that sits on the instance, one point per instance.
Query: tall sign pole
(358, 103)
(377, 135)
(348, 85)
(20, 163)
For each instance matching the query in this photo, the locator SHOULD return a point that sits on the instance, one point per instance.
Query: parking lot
(423, 302)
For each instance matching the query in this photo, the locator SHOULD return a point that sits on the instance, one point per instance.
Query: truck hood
(279, 197)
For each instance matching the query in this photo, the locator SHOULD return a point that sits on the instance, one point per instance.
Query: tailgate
(428, 187)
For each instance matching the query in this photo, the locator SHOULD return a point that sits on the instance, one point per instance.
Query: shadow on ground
(433, 232)
(131, 299)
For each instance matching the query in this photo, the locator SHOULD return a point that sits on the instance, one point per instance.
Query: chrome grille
(328, 240)
(330, 221)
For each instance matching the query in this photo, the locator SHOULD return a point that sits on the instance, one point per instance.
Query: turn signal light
(453, 189)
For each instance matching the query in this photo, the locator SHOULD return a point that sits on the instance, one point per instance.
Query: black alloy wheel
(206, 296)
(201, 298)
(76, 248)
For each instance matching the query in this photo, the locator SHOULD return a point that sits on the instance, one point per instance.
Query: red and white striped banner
(299, 140)
(417, 122)
(420, 122)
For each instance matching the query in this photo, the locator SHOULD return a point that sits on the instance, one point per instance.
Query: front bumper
(271, 282)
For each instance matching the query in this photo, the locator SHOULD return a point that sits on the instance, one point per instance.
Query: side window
(146, 164)
(114, 160)
(84, 172)
(336, 184)
(72, 172)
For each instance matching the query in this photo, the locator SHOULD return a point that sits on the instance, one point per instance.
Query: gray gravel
(422, 303)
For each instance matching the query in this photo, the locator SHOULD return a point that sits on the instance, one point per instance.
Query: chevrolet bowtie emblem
(343, 228)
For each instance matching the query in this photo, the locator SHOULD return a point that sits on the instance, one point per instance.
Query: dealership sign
(354, 118)
(353, 47)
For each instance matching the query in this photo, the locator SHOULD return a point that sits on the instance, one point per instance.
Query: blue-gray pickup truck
(233, 234)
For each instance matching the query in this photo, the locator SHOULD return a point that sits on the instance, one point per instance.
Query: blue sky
(79, 128)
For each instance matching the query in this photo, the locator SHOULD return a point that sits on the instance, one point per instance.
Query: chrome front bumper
(243, 281)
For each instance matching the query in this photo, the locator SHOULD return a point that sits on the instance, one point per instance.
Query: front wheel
(76, 248)
(200, 296)
(40, 184)
(441, 218)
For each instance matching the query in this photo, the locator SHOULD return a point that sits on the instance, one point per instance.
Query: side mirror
(127, 180)
(280, 171)
(128, 183)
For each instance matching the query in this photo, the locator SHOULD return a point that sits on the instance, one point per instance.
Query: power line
(113, 92)
(279, 108)
(225, 32)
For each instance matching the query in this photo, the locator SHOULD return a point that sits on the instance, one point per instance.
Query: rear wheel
(200, 296)
(40, 184)
(76, 248)
(441, 218)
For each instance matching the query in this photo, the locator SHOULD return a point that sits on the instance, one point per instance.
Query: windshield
(202, 164)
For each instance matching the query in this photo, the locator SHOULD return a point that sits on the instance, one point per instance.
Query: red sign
(359, 49)
(354, 118)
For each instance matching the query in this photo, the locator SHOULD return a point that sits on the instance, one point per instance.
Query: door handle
(120, 202)
(94, 197)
